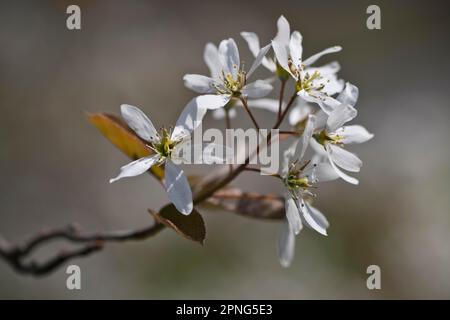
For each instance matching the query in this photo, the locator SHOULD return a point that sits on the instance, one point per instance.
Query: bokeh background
(54, 166)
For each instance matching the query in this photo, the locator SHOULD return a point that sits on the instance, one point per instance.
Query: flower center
(324, 138)
(230, 85)
(297, 182)
(165, 145)
(310, 82)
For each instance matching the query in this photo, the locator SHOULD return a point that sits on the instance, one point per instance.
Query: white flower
(228, 79)
(314, 84)
(299, 179)
(331, 137)
(255, 47)
(167, 147)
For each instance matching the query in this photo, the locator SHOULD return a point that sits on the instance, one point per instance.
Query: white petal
(318, 217)
(325, 102)
(264, 104)
(307, 134)
(292, 214)
(198, 83)
(211, 57)
(354, 134)
(284, 32)
(295, 48)
(333, 85)
(318, 148)
(220, 113)
(299, 112)
(318, 55)
(178, 188)
(322, 172)
(341, 174)
(139, 122)
(321, 119)
(252, 41)
(213, 101)
(229, 57)
(286, 245)
(254, 46)
(339, 116)
(349, 95)
(136, 168)
(313, 221)
(345, 159)
(281, 54)
(259, 58)
(189, 119)
(288, 154)
(257, 89)
(325, 70)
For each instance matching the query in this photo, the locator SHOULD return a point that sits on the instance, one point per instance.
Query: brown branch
(16, 255)
(247, 109)
(249, 204)
(280, 105)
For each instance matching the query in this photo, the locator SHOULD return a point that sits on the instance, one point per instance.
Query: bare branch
(249, 204)
(16, 255)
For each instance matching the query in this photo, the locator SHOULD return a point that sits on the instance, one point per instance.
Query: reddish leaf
(191, 226)
(120, 135)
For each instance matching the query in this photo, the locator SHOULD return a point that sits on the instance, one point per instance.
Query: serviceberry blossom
(299, 179)
(334, 136)
(166, 146)
(228, 78)
(320, 106)
(313, 84)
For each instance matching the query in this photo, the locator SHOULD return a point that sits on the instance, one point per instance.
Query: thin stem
(258, 170)
(284, 113)
(209, 192)
(244, 102)
(293, 133)
(280, 105)
(228, 126)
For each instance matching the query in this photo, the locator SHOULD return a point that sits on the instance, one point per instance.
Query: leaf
(249, 204)
(191, 226)
(120, 135)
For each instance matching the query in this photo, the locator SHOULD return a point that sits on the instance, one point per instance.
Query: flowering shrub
(317, 111)
(227, 88)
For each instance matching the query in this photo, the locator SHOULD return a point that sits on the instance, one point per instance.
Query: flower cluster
(318, 111)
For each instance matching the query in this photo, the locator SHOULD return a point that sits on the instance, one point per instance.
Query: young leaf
(120, 135)
(191, 227)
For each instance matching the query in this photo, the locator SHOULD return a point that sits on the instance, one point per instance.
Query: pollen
(324, 138)
(165, 145)
(230, 85)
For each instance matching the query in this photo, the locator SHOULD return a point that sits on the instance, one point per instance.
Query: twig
(285, 111)
(16, 255)
(280, 105)
(244, 102)
(227, 127)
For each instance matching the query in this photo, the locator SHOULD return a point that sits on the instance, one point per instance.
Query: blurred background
(55, 166)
